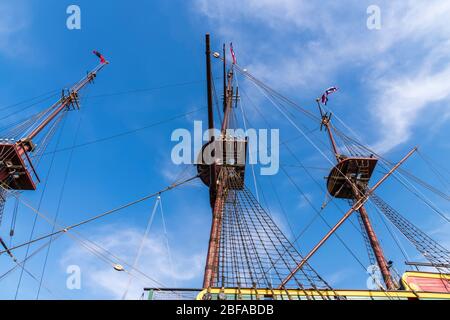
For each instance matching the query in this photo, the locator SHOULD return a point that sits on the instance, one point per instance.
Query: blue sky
(394, 91)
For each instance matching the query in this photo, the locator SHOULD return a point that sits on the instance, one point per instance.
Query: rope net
(2, 203)
(430, 249)
(253, 251)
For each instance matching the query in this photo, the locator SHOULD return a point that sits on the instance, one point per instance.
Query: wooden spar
(212, 168)
(333, 142)
(326, 122)
(18, 169)
(224, 75)
(356, 206)
(427, 264)
(377, 250)
(212, 259)
(213, 245)
(209, 86)
(229, 100)
(373, 239)
(64, 102)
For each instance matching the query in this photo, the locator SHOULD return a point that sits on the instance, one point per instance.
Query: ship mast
(349, 180)
(16, 166)
(357, 196)
(65, 101)
(237, 259)
(216, 185)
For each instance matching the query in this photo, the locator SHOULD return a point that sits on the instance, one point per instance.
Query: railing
(171, 293)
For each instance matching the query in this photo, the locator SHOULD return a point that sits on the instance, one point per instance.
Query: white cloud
(338, 277)
(404, 99)
(440, 234)
(102, 280)
(305, 200)
(13, 20)
(303, 46)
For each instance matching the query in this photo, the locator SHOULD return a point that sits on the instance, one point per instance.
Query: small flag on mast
(98, 54)
(327, 92)
(232, 53)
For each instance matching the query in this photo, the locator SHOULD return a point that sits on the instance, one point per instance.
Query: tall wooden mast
(216, 185)
(358, 194)
(349, 180)
(66, 101)
(213, 246)
(16, 167)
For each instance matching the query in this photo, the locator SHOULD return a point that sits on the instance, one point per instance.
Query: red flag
(98, 54)
(232, 53)
(327, 92)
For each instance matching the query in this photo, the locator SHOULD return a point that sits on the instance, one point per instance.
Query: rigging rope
(28, 100)
(141, 246)
(85, 245)
(305, 136)
(63, 186)
(429, 248)
(94, 248)
(11, 270)
(312, 116)
(245, 260)
(26, 107)
(351, 149)
(2, 204)
(440, 177)
(23, 269)
(96, 217)
(12, 228)
(369, 249)
(252, 162)
(318, 214)
(400, 171)
(383, 218)
(421, 196)
(132, 91)
(284, 143)
(166, 236)
(154, 124)
(38, 207)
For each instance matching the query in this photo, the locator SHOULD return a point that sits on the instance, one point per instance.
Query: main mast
(215, 175)
(216, 185)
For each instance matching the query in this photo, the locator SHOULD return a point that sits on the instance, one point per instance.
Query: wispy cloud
(338, 277)
(305, 200)
(100, 278)
(441, 234)
(303, 46)
(13, 20)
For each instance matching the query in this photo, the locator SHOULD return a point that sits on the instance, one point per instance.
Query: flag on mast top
(232, 53)
(98, 54)
(330, 90)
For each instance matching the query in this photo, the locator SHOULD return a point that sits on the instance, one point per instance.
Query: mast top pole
(325, 121)
(64, 102)
(209, 85)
